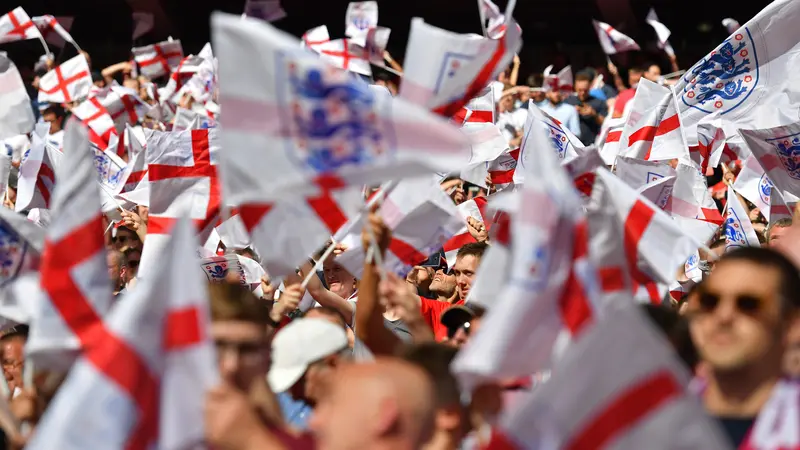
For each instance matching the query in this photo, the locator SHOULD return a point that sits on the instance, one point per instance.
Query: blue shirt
(296, 412)
(564, 113)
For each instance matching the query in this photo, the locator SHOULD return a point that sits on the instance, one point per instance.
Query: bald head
(387, 404)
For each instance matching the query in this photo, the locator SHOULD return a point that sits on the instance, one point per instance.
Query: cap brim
(280, 379)
(456, 316)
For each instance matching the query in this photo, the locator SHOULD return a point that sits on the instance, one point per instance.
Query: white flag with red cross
(95, 116)
(637, 173)
(345, 54)
(315, 37)
(66, 83)
(182, 177)
(502, 169)
(564, 143)
(37, 172)
(653, 129)
(778, 151)
(582, 169)
(746, 78)
(158, 60)
(16, 25)
(16, 114)
(422, 218)
(142, 381)
(475, 208)
(124, 106)
(754, 185)
(552, 284)
(492, 20)
(561, 81)
(781, 206)
(492, 275)
(613, 41)
(608, 139)
(20, 246)
(360, 18)
(691, 199)
(195, 74)
(620, 386)
(296, 124)
(662, 32)
(74, 273)
(712, 146)
(445, 70)
(55, 30)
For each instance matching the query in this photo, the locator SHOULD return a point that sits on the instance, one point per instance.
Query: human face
(735, 318)
(653, 73)
(242, 352)
(791, 358)
(582, 90)
(335, 414)
(54, 121)
(444, 283)
(507, 103)
(114, 268)
(464, 270)
(537, 96)
(554, 96)
(776, 234)
(633, 77)
(13, 359)
(133, 264)
(339, 280)
(125, 238)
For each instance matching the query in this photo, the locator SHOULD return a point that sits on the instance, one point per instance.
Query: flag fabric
(659, 191)
(37, 172)
(637, 173)
(182, 178)
(16, 25)
(502, 169)
(750, 69)
(66, 83)
(739, 230)
(620, 385)
(552, 286)
(781, 207)
(21, 244)
(360, 17)
(731, 25)
(562, 81)
(16, 115)
(582, 169)
(151, 362)
(492, 20)
(612, 40)
(96, 117)
(475, 208)
(55, 31)
(608, 139)
(444, 70)
(74, 274)
(653, 128)
(713, 146)
(158, 60)
(754, 185)
(315, 37)
(345, 54)
(662, 32)
(776, 150)
(318, 125)
(492, 275)
(562, 140)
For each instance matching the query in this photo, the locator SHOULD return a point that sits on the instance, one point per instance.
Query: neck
(740, 393)
(447, 299)
(441, 440)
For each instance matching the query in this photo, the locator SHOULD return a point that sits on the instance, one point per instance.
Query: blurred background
(555, 32)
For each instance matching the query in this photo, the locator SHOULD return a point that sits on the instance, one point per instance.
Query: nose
(229, 363)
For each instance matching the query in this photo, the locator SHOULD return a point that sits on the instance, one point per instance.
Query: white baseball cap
(297, 345)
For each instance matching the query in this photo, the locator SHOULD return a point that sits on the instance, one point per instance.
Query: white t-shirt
(514, 120)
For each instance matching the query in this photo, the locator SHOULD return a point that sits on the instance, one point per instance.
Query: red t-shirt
(622, 99)
(432, 311)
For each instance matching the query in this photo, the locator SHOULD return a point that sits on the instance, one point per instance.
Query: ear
(387, 416)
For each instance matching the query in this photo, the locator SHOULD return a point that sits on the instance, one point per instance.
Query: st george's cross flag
(74, 274)
(16, 115)
(158, 60)
(637, 173)
(662, 32)
(142, 381)
(620, 386)
(37, 172)
(21, 243)
(182, 178)
(739, 230)
(613, 41)
(561, 81)
(295, 124)
(653, 128)
(781, 206)
(563, 142)
(315, 37)
(778, 152)
(16, 25)
(754, 185)
(746, 73)
(55, 30)
(96, 117)
(360, 18)
(443, 70)
(67, 82)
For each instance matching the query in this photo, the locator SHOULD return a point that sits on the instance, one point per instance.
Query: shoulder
(571, 100)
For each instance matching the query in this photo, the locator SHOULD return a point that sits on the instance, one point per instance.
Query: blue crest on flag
(725, 78)
(559, 140)
(734, 234)
(788, 149)
(693, 260)
(451, 63)
(764, 188)
(12, 254)
(652, 176)
(334, 119)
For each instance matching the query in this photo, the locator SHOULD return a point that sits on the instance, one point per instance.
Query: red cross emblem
(20, 29)
(161, 57)
(62, 84)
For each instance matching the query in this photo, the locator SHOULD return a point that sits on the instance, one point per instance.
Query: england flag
(612, 40)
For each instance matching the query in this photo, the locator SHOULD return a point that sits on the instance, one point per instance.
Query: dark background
(554, 32)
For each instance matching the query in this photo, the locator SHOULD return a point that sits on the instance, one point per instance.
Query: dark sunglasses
(746, 304)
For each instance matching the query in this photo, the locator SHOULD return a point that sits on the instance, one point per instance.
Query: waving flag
(739, 230)
(444, 70)
(21, 243)
(653, 128)
(37, 172)
(619, 386)
(158, 60)
(66, 83)
(55, 31)
(16, 115)
(74, 274)
(156, 385)
(662, 32)
(777, 150)
(731, 25)
(296, 124)
(345, 54)
(492, 20)
(16, 25)
(561, 139)
(95, 116)
(562, 81)
(751, 66)
(315, 37)
(360, 17)
(781, 207)
(754, 185)
(612, 40)
(475, 208)
(637, 172)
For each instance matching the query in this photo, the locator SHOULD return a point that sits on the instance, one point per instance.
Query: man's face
(653, 73)
(464, 270)
(125, 238)
(54, 121)
(339, 280)
(242, 352)
(735, 318)
(13, 359)
(507, 103)
(776, 234)
(538, 96)
(633, 77)
(114, 268)
(335, 414)
(133, 265)
(444, 283)
(554, 96)
(314, 385)
(582, 90)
